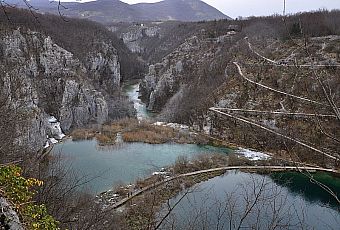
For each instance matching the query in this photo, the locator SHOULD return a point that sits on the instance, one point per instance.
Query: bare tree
(318, 95)
(257, 203)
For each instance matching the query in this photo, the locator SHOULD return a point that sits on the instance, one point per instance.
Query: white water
(132, 91)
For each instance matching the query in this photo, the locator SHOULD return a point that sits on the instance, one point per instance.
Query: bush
(295, 30)
(20, 191)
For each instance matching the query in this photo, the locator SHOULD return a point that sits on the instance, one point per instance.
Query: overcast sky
(235, 8)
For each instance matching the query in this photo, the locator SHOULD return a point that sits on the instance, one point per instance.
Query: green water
(298, 183)
(125, 163)
(216, 203)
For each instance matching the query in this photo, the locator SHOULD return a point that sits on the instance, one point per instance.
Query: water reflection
(298, 183)
(232, 201)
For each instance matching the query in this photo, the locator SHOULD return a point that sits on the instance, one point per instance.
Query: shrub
(19, 191)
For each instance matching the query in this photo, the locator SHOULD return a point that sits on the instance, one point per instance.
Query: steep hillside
(108, 11)
(204, 72)
(181, 10)
(153, 41)
(197, 64)
(69, 70)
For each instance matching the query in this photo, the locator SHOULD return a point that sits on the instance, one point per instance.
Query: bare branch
(275, 90)
(276, 133)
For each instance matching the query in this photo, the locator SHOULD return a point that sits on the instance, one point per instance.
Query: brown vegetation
(82, 134)
(150, 134)
(133, 130)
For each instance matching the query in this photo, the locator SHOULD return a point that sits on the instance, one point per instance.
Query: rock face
(104, 66)
(154, 40)
(40, 79)
(136, 34)
(132, 40)
(166, 82)
(160, 84)
(87, 105)
(9, 219)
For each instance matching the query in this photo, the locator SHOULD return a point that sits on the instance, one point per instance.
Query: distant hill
(108, 11)
(182, 10)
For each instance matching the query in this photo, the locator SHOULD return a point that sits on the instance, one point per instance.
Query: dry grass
(119, 126)
(154, 134)
(104, 140)
(83, 134)
(200, 162)
(150, 134)
(143, 136)
(133, 130)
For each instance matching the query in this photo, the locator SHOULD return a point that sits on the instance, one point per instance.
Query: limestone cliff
(136, 34)
(41, 79)
(154, 40)
(9, 219)
(166, 82)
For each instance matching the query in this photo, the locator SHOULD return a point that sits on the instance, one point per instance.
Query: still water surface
(302, 200)
(296, 205)
(124, 163)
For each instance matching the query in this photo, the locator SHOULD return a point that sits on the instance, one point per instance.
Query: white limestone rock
(53, 81)
(11, 217)
(104, 64)
(82, 105)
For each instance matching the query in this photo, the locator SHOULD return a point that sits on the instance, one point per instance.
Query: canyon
(246, 92)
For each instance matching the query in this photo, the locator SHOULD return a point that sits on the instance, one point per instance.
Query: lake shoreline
(166, 185)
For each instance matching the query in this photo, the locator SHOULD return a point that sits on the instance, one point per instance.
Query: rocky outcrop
(9, 219)
(160, 84)
(41, 79)
(54, 59)
(82, 105)
(104, 66)
(132, 40)
(135, 36)
(169, 77)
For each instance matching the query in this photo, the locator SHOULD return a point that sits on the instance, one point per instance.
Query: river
(132, 91)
